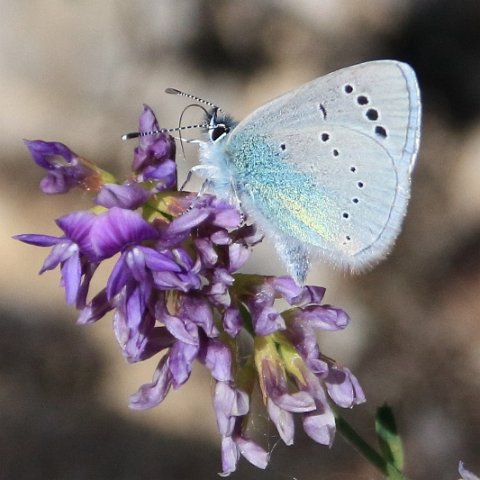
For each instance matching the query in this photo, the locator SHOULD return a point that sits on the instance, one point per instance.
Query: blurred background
(78, 72)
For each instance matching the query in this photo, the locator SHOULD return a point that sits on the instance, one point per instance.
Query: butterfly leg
(238, 204)
(204, 188)
(202, 170)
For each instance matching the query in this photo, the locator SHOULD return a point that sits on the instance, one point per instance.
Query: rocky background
(79, 72)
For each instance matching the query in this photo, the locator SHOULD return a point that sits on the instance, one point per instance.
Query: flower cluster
(175, 289)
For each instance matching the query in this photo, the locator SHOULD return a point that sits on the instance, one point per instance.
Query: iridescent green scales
(270, 185)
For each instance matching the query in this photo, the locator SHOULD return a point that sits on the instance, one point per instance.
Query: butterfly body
(325, 169)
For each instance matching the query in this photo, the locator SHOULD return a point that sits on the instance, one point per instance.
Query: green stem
(386, 468)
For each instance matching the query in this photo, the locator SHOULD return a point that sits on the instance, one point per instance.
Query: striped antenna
(174, 91)
(128, 136)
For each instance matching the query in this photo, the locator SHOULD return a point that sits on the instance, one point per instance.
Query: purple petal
(71, 277)
(121, 328)
(159, 338)
(295, 402)
(96, 309)
(218, 294)
(231, 401)
(88, 270)
(159, 261)
(283, 420)
(165, 170)
(322, 317)
(119, 277)
(217, 357)
(129, 196)
(221, 237)
(221, 275)
(38, 240)
(42, 152)
(77, 227)
(56, 182)
(318, 367)
(275, 385)
(135, 260)
(295, 295)
(230, 456)
(179, 281)
(232, 321)
(187, 221)
(118, 228)
(331, 318)
(303, 337)
(199, 311)
(179, 330)
(255, 454)
(226, 216)
(183, 258)
(320, 426)
(181, 359)
(343, 387)
(237, 256)
(286, 288)
(151, 394)
(146, 123)
(164, 174)
(242, 403)
(313, 385)
(59, 253)
(133, 322)
(224, 400)
(311, 294)
(207, 253)
(267, 321)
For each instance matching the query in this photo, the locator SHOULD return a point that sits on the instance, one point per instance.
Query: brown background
(78, 72)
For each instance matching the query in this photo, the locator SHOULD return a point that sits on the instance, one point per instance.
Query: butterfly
(324, 170)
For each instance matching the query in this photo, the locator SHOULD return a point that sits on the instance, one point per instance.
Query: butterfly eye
(218, 132)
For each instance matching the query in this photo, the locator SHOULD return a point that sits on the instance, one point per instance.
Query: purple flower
(343, 387)
(154, 158)
(65, 169)
(72, 252)
(231, 406)
(175, 290)
(151, 394)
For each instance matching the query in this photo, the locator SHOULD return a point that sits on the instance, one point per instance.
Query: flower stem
(385, 467)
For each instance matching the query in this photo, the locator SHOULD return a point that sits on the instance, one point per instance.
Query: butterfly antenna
(174, 91)
(181, 127)
(130, 135)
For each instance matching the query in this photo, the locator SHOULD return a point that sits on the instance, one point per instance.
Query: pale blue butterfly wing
(325, 169)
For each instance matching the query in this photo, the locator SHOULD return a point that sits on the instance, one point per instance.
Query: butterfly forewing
(379, 99)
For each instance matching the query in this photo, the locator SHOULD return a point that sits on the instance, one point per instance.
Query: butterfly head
(219, 126)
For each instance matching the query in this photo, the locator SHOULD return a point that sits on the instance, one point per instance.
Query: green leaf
(389, 440)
